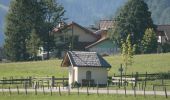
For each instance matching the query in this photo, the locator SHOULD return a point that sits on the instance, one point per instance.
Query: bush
(164, 75)
(166, 47)
(65, 83)
(75, 84)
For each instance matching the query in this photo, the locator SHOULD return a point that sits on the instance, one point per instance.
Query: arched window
(88, 75)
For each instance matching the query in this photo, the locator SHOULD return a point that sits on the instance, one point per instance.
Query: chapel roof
(84, 59)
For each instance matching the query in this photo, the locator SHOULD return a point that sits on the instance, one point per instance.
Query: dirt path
(100, 91)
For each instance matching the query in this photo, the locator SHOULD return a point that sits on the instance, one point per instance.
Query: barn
(85, 67)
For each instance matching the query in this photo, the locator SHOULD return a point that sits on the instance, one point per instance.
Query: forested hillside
(86, 12)
(160, 11)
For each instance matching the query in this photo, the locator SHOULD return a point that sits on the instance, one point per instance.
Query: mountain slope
(86, 12)
(160, 11)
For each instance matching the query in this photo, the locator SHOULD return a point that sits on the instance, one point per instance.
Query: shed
(85, 67)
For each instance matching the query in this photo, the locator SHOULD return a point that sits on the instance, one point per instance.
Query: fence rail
(34, 81)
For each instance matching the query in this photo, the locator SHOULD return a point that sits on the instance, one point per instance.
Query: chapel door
(88, 75)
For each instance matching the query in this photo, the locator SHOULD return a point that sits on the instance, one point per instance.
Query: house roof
(95, 43)
(106, 24)
(74, 23)
(84, 59)
(165, 29)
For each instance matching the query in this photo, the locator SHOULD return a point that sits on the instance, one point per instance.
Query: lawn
(152, 63)
(76, 97)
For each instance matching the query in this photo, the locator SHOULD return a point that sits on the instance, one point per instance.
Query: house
(76, 34)
(85, 67)
(104, 46)
(163, 33)
(43, 54)
(106, 24)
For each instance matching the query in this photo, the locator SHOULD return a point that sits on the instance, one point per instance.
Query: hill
(87, 12)
(152, 63)
(160, 11)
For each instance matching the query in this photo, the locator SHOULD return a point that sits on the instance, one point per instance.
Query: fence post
(30, 81)
(2, 90)
(89, 84)
(78, 89)
(51, 91)
(59, 90)
(11, 80)
(63, 82)
(52, 81)
(162, 81)
(17, 90)
(121, 70)
(146, 78)
(36, 89)
(81, 85)
(125, 90)
(43, 90)
(26, 89)
(166, 93)
(136, 79)
(87, 90)
(139, 86)
(135, 91)
(154, 91)
(144, 91)
(97, 88)
(107, 88)
(48, 83)
(68, 89)
(10, 91)
(119, 83)
(142, 84)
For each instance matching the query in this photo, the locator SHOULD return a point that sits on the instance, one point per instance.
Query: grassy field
(76, 97)
(152, 63)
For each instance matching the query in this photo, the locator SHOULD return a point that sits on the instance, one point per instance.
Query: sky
(83, 12)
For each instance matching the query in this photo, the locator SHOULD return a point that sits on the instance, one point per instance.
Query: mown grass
(77, 97)
(152, 63)
(34, 68)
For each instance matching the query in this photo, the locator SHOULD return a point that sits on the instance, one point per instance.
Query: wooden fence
(34, 81)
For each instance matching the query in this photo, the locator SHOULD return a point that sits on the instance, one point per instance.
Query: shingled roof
(106, 24)
(84, 59)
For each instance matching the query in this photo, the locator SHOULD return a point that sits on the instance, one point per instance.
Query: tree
(149, 41)
(134, 18)
(23, 17)
(15, 45)
(33, 44)
(53, 16)
(127, 52)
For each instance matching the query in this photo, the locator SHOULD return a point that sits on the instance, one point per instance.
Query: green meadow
(77, 97)
(152, 63)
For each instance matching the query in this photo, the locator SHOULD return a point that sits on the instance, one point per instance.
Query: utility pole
(72, 37)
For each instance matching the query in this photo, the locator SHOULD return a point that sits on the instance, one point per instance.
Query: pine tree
(54, 13)
(149, 42)
(134, 18)
(15, 44)
(33, 44)
(23, 17)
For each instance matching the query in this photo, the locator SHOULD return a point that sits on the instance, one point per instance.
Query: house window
(88, 75)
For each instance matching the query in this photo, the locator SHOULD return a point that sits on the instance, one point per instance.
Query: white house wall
(70, 76)
(82, 34)
(98, 74)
